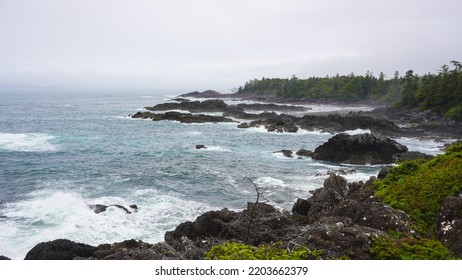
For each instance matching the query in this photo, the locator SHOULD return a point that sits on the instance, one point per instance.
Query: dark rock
(181, 117)
(135, 250)
(286, 153)
(354, 120)
(134, 207)
(98, 208)
(60, 249)
(338, 237)
(254, 225)
(122, 207)
(449, 224)
(359, 149)
(304, 153)
(301, 207)
(355, 201)
(281, 124)
(3, 258)
(384, 171)
(325, 199)
(200, 146)
(243, 125)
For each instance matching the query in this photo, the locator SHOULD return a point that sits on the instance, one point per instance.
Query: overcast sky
(201, 44)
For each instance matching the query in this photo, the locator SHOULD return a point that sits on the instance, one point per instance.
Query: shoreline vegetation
(410, 210)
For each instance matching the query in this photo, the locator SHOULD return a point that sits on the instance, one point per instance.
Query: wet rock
(181, 117)
(243, 125)
(304, 153)
(384, 171)
(135, 250)
(359, 149)
(60, 249)
(3, 258)
(98, 208)
(286, 153)
(200, 146)
(301, 207)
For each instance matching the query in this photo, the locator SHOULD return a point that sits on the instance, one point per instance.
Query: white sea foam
(27, 142)
(357, 131)
(215, 149)
(49, 215)
(427, 146)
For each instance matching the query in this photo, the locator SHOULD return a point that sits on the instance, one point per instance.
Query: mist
(216, 44)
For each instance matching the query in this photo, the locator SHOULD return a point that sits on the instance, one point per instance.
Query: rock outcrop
(181, 117)
(359, 149)
(60, 249)
(449, 224)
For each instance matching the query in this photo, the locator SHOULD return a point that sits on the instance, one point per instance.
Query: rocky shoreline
(281, 115)
(340, 219)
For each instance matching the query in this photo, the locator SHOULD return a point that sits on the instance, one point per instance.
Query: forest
(439, 92)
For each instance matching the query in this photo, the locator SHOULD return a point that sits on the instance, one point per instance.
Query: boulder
(60, 249)
(449, 224)
(3, 258)
(135, 250)
(359, 149)
(301, 207)
(286, 153)
(355, 201)
(258, 223)
(384, 171)
(304, 153)
(243, 125)
(325, 199)
(200, 146)
(98, 208)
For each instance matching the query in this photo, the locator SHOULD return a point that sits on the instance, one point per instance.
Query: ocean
(61, 151)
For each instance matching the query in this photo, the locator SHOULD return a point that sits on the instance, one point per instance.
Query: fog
(206, 44)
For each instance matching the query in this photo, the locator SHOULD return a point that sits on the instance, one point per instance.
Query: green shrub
(455, 113)
(387, 248)
(274, 251)
(418, 187)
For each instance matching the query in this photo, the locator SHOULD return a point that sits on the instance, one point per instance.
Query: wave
(51, 214)
(215, 149)
(27, 142)
(357, 131)
(427, 146)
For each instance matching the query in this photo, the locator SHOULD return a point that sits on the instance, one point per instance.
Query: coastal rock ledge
(340, 219)
(359, 149)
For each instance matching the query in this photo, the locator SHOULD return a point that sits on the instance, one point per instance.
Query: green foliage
(455, 113)
(440, 93)
(418, 187)
(344, 88)
(386, 248)
(274, 251)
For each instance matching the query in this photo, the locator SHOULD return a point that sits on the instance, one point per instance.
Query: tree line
(438, 92)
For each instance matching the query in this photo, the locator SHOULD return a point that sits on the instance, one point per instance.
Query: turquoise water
(63, 150)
